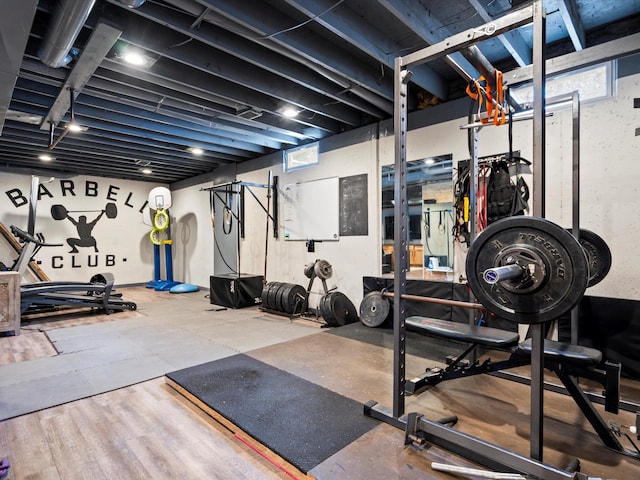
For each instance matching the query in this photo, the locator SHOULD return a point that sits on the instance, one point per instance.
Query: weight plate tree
(527, 269)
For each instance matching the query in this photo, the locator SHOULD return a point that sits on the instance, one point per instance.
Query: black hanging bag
(500, 193)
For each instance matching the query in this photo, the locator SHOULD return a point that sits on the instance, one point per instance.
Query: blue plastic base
(164, 285)
(184, 288)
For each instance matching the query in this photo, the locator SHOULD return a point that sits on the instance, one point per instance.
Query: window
(592, 83)
(301, 157)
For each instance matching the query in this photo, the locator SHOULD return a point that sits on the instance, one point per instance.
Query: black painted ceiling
(222, 72)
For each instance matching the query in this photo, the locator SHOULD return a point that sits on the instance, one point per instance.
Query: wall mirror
(430, 219)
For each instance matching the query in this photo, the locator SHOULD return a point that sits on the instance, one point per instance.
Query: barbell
(375, 307)
(527, 269)
(523, 269)
(59, 212)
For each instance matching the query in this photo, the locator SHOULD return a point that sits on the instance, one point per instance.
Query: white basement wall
(351, 256)
(609, 191)
(192, 234)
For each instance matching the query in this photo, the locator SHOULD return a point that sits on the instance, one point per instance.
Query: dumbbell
(59, 212)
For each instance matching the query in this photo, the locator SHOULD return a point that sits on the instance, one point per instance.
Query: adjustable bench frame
(568, 362)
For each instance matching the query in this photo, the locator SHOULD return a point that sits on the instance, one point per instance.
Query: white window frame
(301, 157)
(567, 82)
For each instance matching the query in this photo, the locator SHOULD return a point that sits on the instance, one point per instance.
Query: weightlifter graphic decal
(84, 228)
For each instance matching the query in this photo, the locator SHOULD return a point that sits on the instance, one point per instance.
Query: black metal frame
(272, 194)
(609, 378)
(478, 450)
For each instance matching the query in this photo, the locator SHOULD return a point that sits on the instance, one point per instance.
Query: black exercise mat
(417, 344)
(302, 422)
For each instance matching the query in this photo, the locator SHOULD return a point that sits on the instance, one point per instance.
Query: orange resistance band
(498, 112)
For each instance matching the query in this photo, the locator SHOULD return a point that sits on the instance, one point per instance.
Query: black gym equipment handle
(25, 237)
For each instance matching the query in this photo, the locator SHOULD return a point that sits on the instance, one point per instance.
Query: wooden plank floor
(140, 432)
(150, 431)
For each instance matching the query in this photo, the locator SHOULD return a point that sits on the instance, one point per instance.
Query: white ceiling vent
(250, 114)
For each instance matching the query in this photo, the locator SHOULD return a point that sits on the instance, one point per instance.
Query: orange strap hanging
(477, 92)
(500, 115)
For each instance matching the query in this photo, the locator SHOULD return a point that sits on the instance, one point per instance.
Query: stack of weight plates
(283, 297)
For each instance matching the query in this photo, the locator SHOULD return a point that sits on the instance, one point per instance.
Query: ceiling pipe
(132, 3)
(63, 30)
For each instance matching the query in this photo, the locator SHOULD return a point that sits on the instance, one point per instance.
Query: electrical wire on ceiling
(303, 23)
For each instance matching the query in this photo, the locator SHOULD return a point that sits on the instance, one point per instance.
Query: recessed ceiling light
(134, 58)
(429, 161)
(75, 127)
(290, 112)
(146, 171)
(45, 157)
(196, 150)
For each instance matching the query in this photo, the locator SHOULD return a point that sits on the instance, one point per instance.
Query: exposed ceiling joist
(274, 26)
(571, 17)
(219, 72)
(605, 52)
(345, 23)
(512, 40)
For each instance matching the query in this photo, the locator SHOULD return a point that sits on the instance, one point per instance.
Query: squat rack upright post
(402, 76)
(478, 450)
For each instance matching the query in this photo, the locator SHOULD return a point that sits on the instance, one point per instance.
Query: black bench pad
(486, 336)
(565, 352)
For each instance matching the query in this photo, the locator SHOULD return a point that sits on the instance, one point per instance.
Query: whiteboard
(311, 210)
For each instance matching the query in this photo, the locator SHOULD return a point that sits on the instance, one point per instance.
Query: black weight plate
(598, 256)
(374, 309)
(273, 294)
(278, 296)
(268, 295)
(265, 295)
(558, 255)
(283, 300)
(325, 310)
(267, 300)
(337, 309)
(292, 297)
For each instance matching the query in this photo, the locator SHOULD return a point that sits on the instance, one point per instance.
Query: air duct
(132, 3)
(64, 28)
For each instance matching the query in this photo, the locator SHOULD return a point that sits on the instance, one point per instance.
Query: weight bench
(565, 360)
(475, 336)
